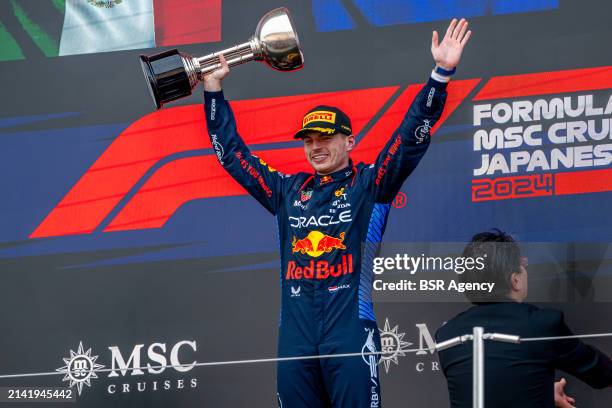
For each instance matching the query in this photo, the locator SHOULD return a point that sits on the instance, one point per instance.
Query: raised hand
(447, 54)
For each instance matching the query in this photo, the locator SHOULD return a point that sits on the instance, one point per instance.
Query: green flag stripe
(60, 5)
(9, 50)
(48, 45)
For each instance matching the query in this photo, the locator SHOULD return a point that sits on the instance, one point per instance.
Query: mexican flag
(69, 27)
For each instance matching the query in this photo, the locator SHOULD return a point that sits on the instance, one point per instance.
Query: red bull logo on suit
(316, 244)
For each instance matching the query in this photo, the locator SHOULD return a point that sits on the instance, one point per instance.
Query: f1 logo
(164, 159)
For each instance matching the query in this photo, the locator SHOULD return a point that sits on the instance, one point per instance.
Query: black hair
(502, 258)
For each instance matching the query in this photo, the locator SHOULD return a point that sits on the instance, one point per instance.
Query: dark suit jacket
(518, 375)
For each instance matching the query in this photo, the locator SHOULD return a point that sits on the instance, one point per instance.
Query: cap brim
(302, 132)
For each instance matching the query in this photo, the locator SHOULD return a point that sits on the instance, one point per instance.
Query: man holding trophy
(326, 305)
(326, 280)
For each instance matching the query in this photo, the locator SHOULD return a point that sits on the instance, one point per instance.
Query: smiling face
(328, 153)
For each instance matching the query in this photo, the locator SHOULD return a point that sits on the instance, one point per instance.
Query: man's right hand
(561, 399)
(212, 81)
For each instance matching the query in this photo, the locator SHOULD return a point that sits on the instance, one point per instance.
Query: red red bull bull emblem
(320, 269)
(325, 180)
(316, 244)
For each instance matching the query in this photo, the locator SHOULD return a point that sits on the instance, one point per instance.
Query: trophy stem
(191, 69)
(236, 55)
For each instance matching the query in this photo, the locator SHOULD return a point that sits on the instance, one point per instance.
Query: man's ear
(514, 281)
(350, 143)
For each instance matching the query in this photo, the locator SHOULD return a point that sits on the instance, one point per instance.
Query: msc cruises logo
(392, 345)
(147, 364)
(80, 368)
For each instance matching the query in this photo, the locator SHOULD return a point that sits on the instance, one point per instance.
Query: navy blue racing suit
(326, 279)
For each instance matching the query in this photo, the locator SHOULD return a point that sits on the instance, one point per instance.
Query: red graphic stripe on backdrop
(186, 21)
(174, 130)
(576, 80)
(271, 120)
(124, 162)
(582, 182)
(368, 148)
(183, 180)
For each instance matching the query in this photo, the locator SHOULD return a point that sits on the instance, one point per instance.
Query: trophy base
(166, 76)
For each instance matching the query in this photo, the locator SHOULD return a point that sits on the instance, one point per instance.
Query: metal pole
(478, 368)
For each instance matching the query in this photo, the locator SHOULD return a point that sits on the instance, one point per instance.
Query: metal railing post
(478, 368)
(478, 337)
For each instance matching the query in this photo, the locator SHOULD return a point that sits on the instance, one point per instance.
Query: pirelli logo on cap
(319, 116)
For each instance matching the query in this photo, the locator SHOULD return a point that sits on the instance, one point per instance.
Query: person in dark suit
(516, 375)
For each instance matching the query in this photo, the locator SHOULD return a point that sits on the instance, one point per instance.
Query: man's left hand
(447, 54)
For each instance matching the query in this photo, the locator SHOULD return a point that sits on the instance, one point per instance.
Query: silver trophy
(172, 75)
